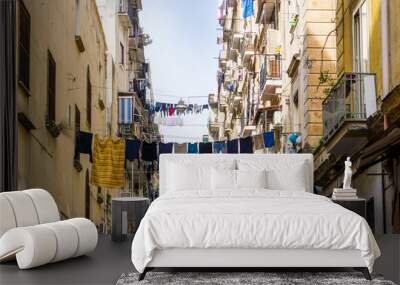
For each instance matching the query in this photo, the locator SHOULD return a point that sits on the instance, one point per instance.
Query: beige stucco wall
(48, 162)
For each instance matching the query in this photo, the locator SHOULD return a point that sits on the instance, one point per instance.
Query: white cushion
(67, 240)
(87, 235)
(223, 179)
(33, 246)
(46, 207)
(40, 244)
(23, 208)
(291, 178)
(281, 174)
(251, 178)
(183, 178)
(7, 218)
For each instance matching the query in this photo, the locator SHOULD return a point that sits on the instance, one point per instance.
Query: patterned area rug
(229, 278)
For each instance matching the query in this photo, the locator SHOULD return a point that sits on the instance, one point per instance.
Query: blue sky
(182, 57)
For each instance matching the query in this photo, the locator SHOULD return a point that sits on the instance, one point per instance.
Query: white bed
(198, 222)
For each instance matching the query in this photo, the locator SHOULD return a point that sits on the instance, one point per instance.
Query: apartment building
(61, 90)
(250, 72)
(130, 88)
(308, 34)
(360, 114)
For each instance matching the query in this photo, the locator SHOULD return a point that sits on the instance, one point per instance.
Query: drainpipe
(385, 53)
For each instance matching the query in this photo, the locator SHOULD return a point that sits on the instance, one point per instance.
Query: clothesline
(109, 156)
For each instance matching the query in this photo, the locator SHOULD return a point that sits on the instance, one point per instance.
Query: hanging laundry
(233, 146)
(219, 147)
(108, 163)
(180, 147)
(269, 139)
(192, 148)
(164, 109)
(221, 10)
(83, 144)
(165, 147)
(132, 149)
(258, 142)
(158, 107)
(205, 147)
(149, 151)
(171, 110)
(248, 9)
(190, 109)
(246, 145)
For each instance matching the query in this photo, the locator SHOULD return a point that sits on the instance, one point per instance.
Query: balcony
(124, 12)
(213, 126)
(247, 52)
(223, 102)
(212, 100)
(345, 111)
(266, 12)
(271, 77)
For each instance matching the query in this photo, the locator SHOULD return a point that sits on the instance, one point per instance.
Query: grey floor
(103, 266)
(111, 259)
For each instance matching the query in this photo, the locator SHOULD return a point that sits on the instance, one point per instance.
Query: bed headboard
(210, 159)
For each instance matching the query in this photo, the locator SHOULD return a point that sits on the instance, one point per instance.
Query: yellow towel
(108, 163)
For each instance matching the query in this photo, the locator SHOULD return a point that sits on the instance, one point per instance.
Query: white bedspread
(250, 219)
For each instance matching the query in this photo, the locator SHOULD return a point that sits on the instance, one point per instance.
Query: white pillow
(251, 178)
(282, 174)
(223, 179)
(291, 179)
(182, 177)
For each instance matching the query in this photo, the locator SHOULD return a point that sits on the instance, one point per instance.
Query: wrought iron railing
(271, 69)
(351, 99)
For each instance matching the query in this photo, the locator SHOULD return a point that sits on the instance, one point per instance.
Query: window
(360, 38)
(51, 88)
(122, 53)
(77, 127)
(24, 45)
(88, 97)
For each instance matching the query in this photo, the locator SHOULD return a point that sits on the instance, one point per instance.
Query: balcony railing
(125, 11)
(271, 71)
(352, 99)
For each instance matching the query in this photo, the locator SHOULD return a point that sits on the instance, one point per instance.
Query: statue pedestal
(340, 193)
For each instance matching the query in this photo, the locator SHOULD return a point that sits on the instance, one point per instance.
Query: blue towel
(205, 147)
(269, 139)
(192, 148)
(233, 146)
(165, 147)
(246, 145)
(132, 148)
(219, 147)
(248, 8)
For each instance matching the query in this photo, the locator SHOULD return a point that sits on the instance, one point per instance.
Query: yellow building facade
(61, 74)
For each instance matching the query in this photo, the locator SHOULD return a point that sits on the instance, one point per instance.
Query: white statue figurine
(347, 174)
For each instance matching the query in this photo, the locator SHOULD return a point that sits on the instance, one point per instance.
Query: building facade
(309, 52)
(61, 80)
(359, 114)
(250, 72)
